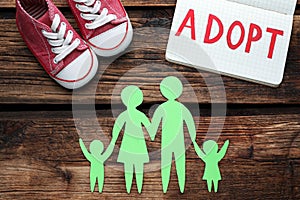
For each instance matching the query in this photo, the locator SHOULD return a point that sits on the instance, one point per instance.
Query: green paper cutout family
(133, 152)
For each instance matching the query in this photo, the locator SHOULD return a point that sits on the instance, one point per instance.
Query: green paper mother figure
(133, 151)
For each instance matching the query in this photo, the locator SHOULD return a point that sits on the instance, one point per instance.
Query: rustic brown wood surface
(40, 157)
(31, 84)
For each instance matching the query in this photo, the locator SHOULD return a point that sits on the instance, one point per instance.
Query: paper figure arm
(108, 152)
(118, 126)
(189, 121)
(85, 152)
(156, 119)
(223, 151)
(146, 123)
(199, 151)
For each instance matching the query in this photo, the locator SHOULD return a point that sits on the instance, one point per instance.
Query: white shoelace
(60, 45)
(91, 13)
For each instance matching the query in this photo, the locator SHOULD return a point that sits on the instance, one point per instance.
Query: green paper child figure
(133, 151)
(211, 158)
(97, 159)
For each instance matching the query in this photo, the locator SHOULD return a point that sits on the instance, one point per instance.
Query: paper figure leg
(128, 176)
(166, 163)
(209, 185)
(101, 181)
(216, 183)
(93, 180)
(139, 172)
(180, 168)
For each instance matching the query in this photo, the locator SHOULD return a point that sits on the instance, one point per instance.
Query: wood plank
(138, 3)
(22, 80)
(40, 158)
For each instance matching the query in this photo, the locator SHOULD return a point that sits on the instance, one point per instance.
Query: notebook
(245, 39)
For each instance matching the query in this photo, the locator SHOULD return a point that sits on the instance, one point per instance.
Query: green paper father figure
(172, 114)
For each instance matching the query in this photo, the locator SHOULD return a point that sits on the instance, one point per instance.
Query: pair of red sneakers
(66, 57)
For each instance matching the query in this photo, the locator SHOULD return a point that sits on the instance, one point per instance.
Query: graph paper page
(252, 64)
(282, 6)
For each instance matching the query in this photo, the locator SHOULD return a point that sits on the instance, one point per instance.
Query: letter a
(189, 16)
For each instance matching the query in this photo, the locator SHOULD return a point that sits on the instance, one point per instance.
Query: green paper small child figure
(211, 158)
(97, 159)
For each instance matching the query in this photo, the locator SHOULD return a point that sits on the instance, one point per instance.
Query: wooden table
(40, 157)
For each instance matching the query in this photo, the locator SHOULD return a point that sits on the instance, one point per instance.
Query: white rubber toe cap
(79, 72)
(113, 41)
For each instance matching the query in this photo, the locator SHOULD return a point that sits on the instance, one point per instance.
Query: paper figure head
(132, 96)
(210, 146)
(171, 88)
(96, 148)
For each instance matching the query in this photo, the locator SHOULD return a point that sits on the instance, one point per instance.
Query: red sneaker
(56, 45)
(104, 24)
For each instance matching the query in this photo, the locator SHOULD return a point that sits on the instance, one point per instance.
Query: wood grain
(22, 80)
(40, 158)
(39, 153)
(138, 3)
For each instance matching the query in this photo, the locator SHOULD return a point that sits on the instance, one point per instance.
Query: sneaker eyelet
(55, 61)
(53, 50)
